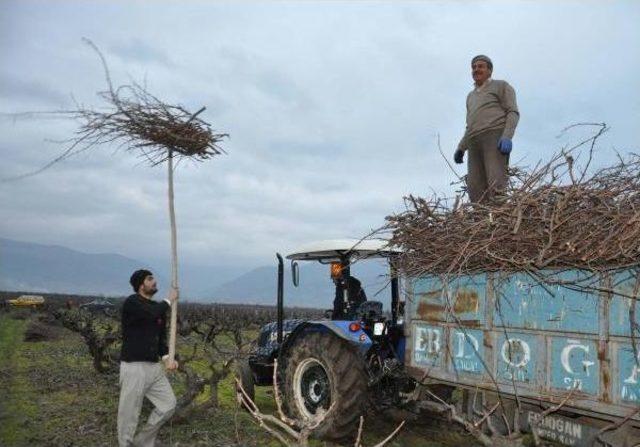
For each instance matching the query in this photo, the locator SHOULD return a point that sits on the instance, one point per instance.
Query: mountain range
(32, 267)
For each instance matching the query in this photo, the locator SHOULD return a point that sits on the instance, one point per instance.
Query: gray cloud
(30, 91)
(333, 111)
(142, 52)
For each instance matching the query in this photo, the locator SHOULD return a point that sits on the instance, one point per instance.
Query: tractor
(333, 369)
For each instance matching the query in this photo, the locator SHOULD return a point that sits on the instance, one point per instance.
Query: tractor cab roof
(337, 249)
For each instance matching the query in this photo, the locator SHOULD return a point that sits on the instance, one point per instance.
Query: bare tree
(100, 333)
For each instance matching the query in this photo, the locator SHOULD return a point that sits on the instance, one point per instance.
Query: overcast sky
(333, 110)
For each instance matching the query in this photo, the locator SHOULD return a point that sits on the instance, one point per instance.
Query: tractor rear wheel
(322, 372)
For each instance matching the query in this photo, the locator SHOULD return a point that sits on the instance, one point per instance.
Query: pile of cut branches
(553, 216)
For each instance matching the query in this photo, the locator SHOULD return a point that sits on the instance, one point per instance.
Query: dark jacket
(355, 295)
(144, 331)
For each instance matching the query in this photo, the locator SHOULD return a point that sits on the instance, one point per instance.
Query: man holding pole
(492, 117)
(144, 343)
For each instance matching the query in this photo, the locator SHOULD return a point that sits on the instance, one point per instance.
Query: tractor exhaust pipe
(280, 296)
(395, 292)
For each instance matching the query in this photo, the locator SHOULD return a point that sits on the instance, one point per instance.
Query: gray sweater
(489, 107)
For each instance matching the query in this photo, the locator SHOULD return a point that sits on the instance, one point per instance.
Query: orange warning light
(336, 270)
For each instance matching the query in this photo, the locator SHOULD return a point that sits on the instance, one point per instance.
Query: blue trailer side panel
(467, 349)
(628, 383)
(574, 364)
(464, 299)
(545, 339)
(427, 342)
(622, 307)
(517, 358)
(524, 303)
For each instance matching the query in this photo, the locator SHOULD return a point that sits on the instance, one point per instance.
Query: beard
(151, 290)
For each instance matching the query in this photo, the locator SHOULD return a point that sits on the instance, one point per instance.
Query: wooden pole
(174, 252)
(174, 263)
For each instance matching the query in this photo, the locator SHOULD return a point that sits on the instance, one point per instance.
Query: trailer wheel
(245, 375)
(323, 370)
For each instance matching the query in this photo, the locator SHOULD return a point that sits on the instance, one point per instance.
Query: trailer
(513, 338)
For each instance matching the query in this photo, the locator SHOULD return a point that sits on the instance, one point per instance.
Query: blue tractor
(348, 362)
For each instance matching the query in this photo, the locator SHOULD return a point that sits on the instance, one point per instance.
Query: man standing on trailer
(144, 343)
(492, 117)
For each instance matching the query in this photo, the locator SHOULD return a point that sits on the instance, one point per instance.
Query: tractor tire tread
(347, 376)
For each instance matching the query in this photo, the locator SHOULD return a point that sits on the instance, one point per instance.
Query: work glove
(458, 156)
(505, 145)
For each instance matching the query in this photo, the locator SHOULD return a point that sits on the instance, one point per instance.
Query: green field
(51, 395)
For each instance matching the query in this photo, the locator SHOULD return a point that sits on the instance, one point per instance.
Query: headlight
(378, 328)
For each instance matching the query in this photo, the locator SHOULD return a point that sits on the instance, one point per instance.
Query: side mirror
(295, 273)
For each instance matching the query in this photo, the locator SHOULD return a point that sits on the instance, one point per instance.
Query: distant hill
(259, 286)
(27, 266)
(55, 269)
(31, 267)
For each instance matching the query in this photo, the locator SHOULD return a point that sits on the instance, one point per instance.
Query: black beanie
(138, 278)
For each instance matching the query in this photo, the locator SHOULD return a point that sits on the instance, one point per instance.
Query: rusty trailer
(538, 344)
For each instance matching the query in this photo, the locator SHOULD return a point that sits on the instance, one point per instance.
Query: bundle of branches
(139, 121)
(553, 216)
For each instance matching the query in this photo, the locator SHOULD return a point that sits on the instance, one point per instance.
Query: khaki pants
(137, 381)
(487, 166)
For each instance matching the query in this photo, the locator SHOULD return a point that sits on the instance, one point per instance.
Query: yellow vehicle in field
(27, 301)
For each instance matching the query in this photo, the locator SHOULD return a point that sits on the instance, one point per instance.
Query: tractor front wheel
(325, 373)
